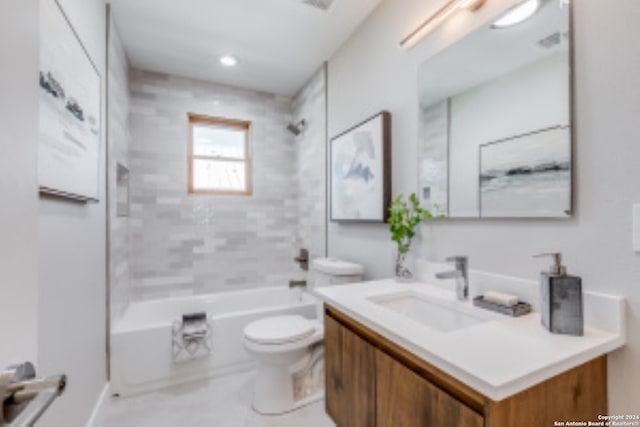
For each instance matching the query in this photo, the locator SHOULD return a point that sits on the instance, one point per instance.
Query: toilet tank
(332, 271)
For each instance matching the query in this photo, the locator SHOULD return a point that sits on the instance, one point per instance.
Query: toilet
(289, 349)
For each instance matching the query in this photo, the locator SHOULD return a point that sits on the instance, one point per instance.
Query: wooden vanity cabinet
(372, 382)
(350, 380)
(405, 399)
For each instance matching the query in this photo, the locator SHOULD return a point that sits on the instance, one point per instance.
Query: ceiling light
(228, 61)
(471, 4)
(438, 18)
(517, 14)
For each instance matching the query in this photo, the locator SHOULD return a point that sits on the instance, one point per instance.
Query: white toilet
(289, 349)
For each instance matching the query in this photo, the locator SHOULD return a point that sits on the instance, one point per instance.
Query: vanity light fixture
(228, 61)
(517, 14)
(437, 19)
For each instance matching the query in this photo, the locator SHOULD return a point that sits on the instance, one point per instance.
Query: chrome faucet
(461, 274)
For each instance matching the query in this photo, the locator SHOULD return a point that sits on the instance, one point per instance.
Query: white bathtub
(141, 346)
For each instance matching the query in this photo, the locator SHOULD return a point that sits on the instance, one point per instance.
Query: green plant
(404, 216)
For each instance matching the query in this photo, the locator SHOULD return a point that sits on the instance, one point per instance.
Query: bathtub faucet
(297, 284)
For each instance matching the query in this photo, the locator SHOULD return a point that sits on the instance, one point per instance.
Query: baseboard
(95, 420)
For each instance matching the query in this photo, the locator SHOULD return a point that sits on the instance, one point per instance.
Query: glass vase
(405, 265)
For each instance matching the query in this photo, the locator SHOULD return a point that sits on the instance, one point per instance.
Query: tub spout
(297, 284)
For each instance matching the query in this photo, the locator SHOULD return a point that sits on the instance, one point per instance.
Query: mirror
(495, 131)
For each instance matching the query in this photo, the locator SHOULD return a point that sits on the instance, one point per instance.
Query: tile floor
(220, 402)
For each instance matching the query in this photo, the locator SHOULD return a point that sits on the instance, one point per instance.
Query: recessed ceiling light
(518, 14)
(228, 61)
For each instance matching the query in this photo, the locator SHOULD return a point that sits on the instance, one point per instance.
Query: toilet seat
(279, 330)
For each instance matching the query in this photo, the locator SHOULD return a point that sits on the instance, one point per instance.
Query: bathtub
(141, 346)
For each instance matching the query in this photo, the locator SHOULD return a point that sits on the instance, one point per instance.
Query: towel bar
(24, 397)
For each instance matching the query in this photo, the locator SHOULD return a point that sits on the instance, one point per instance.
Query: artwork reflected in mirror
(527, 175)
(495, 134)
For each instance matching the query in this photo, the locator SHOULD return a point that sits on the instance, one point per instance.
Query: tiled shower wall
(118, 146)
(310, 105)
(192, 244)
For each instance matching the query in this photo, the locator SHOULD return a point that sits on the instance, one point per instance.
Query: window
(219, 158)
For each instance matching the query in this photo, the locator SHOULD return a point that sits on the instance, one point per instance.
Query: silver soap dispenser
(561, 299)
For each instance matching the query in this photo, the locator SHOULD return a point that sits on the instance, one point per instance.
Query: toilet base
(284, 385)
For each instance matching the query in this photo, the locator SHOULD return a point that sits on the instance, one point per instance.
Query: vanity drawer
(404, 399)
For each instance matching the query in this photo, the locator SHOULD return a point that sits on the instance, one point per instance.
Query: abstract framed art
(70, 111)
(360, 172)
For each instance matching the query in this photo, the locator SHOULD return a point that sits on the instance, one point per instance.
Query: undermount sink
(445, 316)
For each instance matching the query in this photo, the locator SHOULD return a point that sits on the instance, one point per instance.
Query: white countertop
(498, 357)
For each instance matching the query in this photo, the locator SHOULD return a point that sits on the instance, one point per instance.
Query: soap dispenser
(561, 299)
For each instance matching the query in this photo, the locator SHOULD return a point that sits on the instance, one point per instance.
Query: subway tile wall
(193, 244)
(119, 141)
(310, 105)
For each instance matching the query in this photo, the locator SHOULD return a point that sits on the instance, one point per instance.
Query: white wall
(73, 267)
(18, 183)
(370, 73)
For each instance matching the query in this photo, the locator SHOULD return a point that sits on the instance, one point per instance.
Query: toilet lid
(279, 330)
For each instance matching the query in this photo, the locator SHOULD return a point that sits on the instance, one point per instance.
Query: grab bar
(24, 397)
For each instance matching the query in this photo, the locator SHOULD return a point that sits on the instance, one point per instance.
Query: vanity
(495, 140)
(413, 355)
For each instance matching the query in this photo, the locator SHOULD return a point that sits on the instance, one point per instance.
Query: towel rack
(24, 397)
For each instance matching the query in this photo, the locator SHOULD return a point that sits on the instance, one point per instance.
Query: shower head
(297, 128)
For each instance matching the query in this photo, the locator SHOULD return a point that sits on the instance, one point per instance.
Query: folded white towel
(501, 298)
(194, 331)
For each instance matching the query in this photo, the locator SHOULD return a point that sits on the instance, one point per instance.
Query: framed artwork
(360, 174)
(527, 176)
(70, 107)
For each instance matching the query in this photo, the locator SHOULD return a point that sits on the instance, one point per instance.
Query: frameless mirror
(495, 126)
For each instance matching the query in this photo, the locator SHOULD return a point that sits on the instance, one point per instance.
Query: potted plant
(404, 216)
